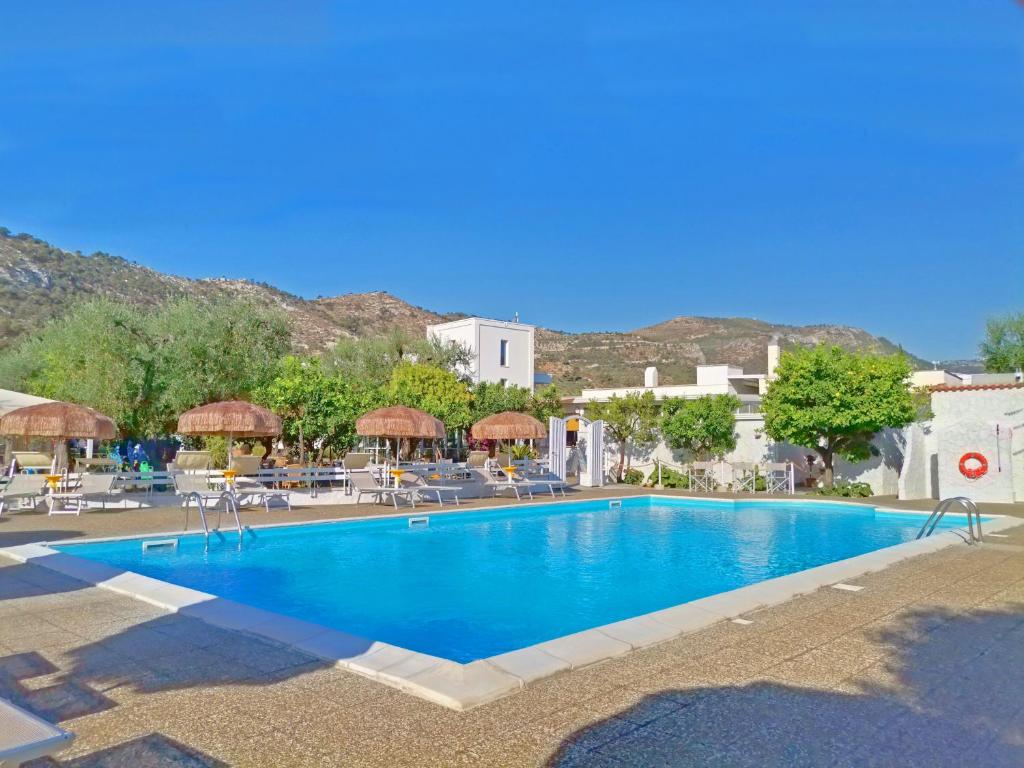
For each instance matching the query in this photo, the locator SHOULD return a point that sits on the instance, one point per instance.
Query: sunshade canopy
(235, 418)
(510, 425)
(400, 421)
(58, 420)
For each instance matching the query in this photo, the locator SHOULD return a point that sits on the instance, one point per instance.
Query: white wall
(483, 339)
(752, 445)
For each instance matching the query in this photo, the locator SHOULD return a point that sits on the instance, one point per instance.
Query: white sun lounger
(366, 485)
(24, 737)
(419, 484)
(497, 482)
(21, 487)
(255, 490)
(91, 486)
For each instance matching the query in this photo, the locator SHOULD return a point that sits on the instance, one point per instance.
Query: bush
(633, 477)
(846, 490)
(670, 478)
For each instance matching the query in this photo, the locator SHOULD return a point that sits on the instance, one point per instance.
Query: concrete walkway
(924, 666)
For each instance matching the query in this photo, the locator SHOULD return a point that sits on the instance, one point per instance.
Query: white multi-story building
(502, 352)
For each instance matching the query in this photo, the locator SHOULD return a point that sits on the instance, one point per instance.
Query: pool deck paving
(922, 666)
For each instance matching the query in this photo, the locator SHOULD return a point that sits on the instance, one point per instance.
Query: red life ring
(975, 472)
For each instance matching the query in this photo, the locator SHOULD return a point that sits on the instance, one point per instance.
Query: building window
(503, 382)
(503, 353)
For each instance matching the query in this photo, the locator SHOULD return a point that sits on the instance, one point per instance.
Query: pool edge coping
(461, 686)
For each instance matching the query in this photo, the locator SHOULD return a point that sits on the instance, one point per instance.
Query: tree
(438, 392)
(631, 419)
(493, 397)
(373, 360)
(145, 368)
(292, 393)
(1003, 347)
(705, 426)
(546, 402)
(834, 402)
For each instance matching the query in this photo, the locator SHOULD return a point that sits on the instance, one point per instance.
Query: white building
(983, 419)
(502, 352)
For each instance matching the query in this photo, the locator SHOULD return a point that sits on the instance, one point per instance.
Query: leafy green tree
(546, 402)
(833, 401)
(144, 369)
(630, 420)
(223, 350)
(1003, 347)
(433, 390)
(705, 426)
(292, 394)
(374, 359)
(492, 397)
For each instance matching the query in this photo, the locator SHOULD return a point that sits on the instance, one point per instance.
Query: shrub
(846, 490)
(670, 478)
(633, 477)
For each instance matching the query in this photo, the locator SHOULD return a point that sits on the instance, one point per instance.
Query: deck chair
(21, 487)
(25, 737)
(249, 487)
(776, 476)
(498, 480)
(744, 477)
(541, 476)
(423, 488)
(354, 462)
(702, 476)
(91, 486)
(476, 460)
(365, 484)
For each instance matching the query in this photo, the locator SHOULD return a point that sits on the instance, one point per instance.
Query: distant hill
(39, 281)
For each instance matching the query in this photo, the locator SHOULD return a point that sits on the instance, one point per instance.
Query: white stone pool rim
(463, 686)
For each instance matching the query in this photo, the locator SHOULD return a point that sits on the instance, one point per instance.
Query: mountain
(39, 281)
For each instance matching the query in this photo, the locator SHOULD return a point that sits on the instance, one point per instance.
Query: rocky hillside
(39, 281)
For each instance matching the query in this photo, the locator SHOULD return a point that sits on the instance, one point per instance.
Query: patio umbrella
(507, 426)
(400, 422)
(60, 422)
(231, 419)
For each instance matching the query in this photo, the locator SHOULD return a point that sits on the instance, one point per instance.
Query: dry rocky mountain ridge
(39, 281)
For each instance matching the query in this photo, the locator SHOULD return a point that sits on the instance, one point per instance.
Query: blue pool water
(475, 584)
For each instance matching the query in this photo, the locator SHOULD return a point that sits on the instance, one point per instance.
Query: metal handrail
(940, 510)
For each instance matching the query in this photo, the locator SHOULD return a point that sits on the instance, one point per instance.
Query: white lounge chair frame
(365, 484)
(419, 484)
(744, 477)
(25, 737)
(777, 476)
(22, 487)
(90, 486)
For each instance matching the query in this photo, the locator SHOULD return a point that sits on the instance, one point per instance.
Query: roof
(972, 387)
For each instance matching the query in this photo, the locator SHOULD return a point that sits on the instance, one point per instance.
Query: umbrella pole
(231, 440)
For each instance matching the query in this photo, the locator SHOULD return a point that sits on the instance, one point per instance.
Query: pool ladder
(230, 503)
(973, 516)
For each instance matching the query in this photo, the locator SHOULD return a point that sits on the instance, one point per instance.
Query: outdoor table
(397, 474)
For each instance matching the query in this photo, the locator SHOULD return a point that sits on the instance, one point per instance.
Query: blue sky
(591, 165)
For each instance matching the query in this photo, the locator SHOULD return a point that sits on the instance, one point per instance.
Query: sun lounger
(476, 460)
(365, 484)
(253, 489)
(423, 488)
(22, 487)
(496, 479)
(91, 486)
(24, 737)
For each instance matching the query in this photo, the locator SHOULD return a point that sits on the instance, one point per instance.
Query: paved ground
(924, 666)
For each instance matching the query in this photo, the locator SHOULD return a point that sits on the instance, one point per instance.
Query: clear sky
(591, 165)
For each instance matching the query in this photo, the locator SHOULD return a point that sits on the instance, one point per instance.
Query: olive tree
(630, 420)
(704, 426)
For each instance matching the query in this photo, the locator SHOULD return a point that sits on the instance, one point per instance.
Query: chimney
(774, 351)
(650, 377)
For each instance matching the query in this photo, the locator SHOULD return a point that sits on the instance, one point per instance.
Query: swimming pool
(465, 586)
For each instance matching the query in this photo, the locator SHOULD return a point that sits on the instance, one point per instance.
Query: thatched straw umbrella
(60, 422)
(508, 426)
(399, 422)
(231, 419)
